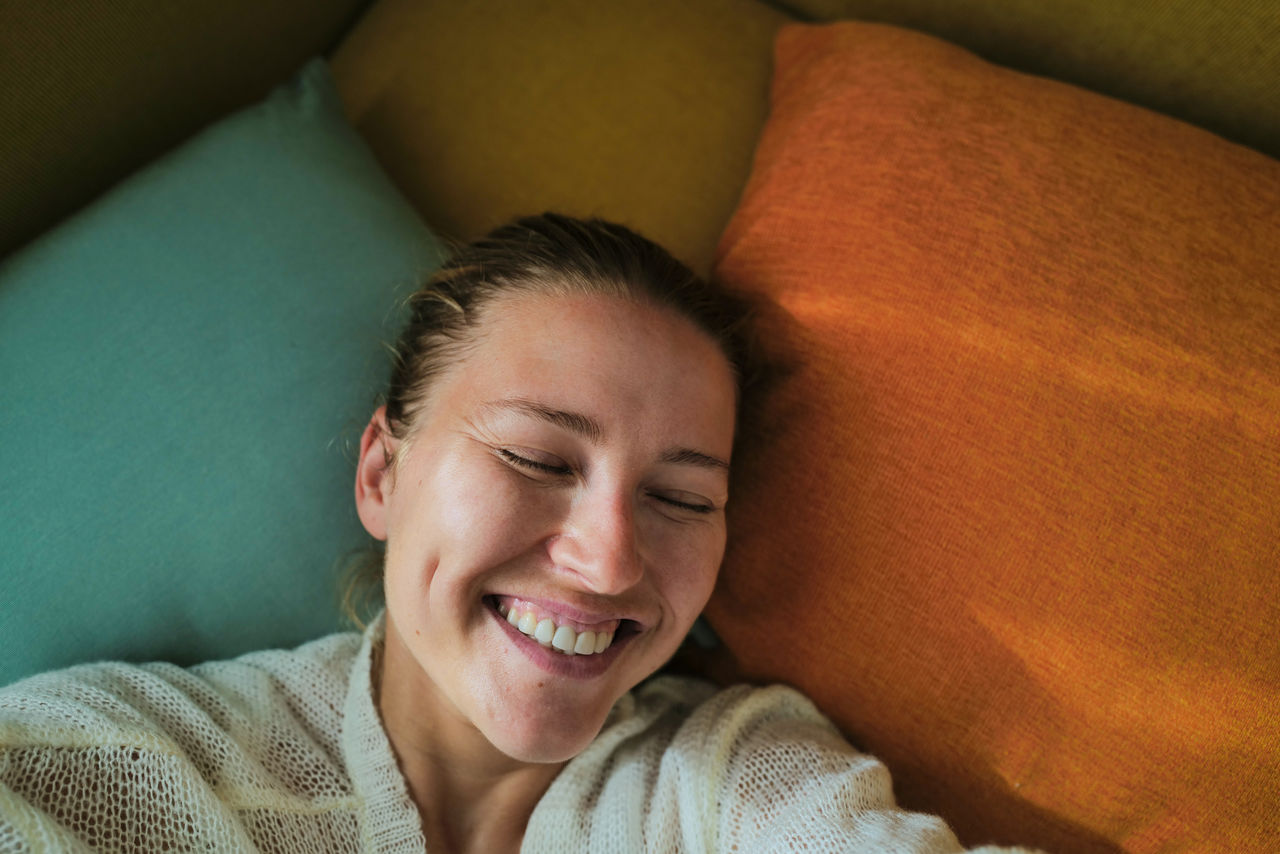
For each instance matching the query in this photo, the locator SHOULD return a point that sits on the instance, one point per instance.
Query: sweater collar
(389, 820)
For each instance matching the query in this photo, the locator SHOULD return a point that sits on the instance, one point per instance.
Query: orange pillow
(1018, 532)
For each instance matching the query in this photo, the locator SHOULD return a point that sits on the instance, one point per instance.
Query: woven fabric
(93, 91)
(641, 111)
(284, 752)
(1017, 535)
(243, 285)
(1214, 63)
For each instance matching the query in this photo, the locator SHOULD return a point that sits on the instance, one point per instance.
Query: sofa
(1011, 518)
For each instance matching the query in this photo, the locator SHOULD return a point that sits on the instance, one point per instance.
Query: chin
(550, 741)
(560, 747)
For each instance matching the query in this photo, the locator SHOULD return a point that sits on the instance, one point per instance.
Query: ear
(374, 480)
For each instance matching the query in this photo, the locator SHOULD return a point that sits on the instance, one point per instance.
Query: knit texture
(284, 751)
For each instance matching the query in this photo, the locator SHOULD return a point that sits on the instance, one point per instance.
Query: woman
(549, 474)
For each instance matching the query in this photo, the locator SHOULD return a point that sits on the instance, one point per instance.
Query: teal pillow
(185, 369)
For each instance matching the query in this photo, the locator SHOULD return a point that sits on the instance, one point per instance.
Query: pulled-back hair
(555, 255)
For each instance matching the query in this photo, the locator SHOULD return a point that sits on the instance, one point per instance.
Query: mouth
(561, 634)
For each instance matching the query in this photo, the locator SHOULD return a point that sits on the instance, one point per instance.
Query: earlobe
(373, 476)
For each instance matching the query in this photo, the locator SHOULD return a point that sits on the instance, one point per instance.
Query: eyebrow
(687, 456)
(589, 428)
(582, 425)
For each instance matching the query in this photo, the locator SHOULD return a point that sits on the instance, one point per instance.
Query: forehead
(629, 364)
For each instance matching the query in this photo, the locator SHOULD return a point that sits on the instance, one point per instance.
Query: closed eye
(683, 505)
(532, 465)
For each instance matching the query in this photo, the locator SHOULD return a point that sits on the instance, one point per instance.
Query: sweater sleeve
(786, 780)
(226, 756)
(88, 763)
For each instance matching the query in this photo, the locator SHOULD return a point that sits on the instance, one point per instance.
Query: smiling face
(564, 484)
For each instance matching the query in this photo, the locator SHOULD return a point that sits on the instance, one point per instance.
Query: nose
(600, 544)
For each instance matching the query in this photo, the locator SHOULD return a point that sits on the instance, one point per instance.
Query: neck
(471, 796)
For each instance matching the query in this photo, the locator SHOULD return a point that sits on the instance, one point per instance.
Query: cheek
(487, 514)
(686, 565)
(444, 511)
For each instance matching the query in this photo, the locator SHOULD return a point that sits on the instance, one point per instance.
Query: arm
(785, 779)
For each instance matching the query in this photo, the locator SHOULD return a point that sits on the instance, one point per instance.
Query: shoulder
(769, 745)
(157, 704)
(685, 766)
(310, 681)
(680, 719)
(736, 724)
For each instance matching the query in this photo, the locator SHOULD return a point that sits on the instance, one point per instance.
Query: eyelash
(682, 505)
(560, 471)
(533, 465)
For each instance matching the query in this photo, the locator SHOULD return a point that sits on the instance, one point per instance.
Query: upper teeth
(558, 637)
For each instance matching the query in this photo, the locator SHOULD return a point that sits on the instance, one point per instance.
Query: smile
(561, 635)
(609, 635)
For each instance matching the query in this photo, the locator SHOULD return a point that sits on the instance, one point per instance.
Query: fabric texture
(1016, 532)
(284, 751)
(93, 91)
(640, 111)
(1214, 63)
(186, 366)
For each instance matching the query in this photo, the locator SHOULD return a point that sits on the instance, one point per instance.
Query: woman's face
(565, 484)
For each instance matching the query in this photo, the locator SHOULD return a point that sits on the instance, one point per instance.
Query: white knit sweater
(284, 751)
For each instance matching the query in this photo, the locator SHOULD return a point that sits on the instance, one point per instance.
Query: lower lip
(557, 663)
